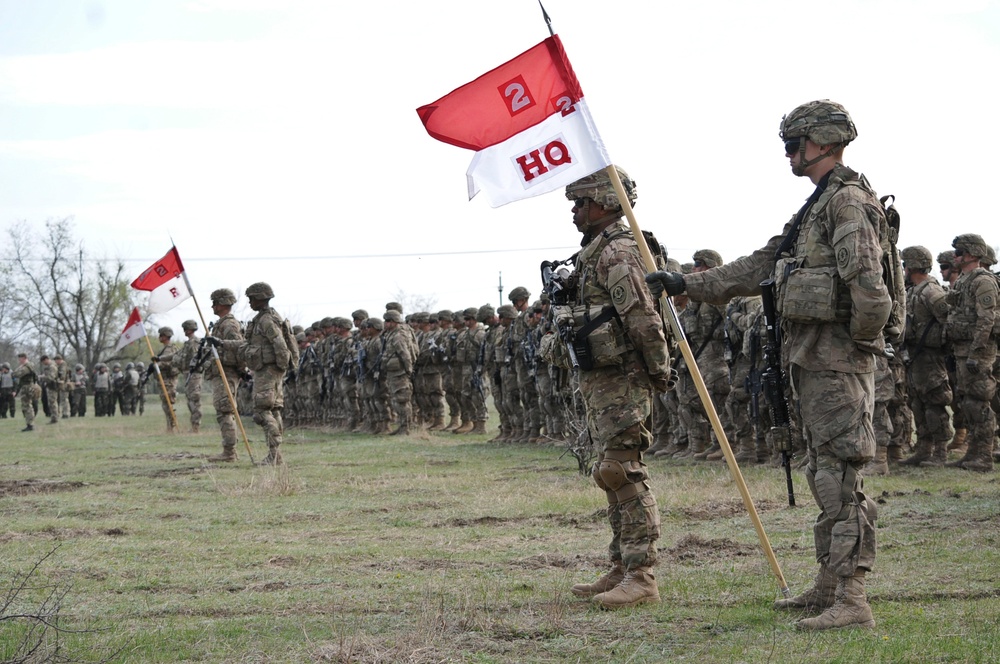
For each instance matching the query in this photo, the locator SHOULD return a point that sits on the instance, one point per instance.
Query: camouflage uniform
(744, 342)
(266, 352)
(168, 363)
(614, 315)
(834, 244)
(446, 341)
(494, 366)
(102, 389)
(50, 382)
(398, 358)
(473, 400)
(65, 382)
(192, 387)
(505, 353)
(970, 331)
(78, 402)
(429, 383)
(924, 355)
(27, 379)
(226, 328)
(524, 354)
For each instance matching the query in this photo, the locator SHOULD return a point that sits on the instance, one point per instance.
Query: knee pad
(258, 419)
(828, 490)
(612, 474)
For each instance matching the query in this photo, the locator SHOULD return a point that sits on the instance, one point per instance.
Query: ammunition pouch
(598, 337)
(811, 295)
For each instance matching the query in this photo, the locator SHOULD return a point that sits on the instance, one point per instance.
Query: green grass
(444, 548)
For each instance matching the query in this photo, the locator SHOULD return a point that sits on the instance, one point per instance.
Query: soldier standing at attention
(226, 328)
(267, 351)
(833, 245)
(50, 380)
(192, 388)
(614, 315)
(168, 371)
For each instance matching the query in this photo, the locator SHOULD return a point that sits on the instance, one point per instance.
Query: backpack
(293, 345)
(892, 270)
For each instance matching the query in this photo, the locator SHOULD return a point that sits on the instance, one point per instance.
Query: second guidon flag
(528, 122)
(164, 280)
(134, 329)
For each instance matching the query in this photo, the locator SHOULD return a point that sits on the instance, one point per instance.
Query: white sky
(277, 140)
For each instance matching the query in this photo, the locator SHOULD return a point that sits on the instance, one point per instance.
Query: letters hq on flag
(528, 122)
(134, 329)
(165, 282)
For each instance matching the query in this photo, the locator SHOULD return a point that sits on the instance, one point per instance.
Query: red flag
(528, 122)
(165, 282)
(505, 101)
(134, 329)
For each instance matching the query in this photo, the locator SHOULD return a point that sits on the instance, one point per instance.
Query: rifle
(477, 373)
(555, 282)
(361, 354)
(773, 380)
(752, 383)
(199, 357)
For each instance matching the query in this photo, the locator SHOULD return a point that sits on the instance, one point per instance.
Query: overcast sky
(278, 140)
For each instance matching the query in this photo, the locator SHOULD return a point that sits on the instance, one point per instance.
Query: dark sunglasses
(945, 266)
(699, 263)
(579, 203)
(959, 253)
(792, 145)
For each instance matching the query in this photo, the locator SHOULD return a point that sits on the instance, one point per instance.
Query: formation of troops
(395, 373)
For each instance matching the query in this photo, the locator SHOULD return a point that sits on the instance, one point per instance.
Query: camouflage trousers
(192, 391)
(268, 402)
(974, 394)
(532, 418)
(473, 402)
(78, 402)
(400, 390)
(224, 413)
(512, 400)
(617, 403)
(836, 414)
(64, 402)
(27, 403)
(8, 404)
(429, 389)
(930, 394)
(169, 407)
(52, 401)
(692, 411)
(450, 393)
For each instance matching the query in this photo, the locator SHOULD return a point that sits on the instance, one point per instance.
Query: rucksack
(892, 270)
(293, 345)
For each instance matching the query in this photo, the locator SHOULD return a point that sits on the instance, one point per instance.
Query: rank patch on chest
(618, 294)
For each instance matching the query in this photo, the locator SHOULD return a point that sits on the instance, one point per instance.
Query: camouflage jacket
(839, 232)
(972, 305)
(926, 316)
(227, 328)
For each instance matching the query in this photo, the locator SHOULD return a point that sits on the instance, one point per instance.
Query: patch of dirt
(171, 472)
(281, 561)
(545, 560)
(568, 520)
(27, 487)
(694, 547)
(478, 521)
(156, 455)
(729, 508)
(113, 532)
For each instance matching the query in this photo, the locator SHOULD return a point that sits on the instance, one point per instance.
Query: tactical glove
(889, 352)
(215, 341)
(670, 282)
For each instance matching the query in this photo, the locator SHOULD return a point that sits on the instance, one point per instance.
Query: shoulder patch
(843, 257)
(618, 295)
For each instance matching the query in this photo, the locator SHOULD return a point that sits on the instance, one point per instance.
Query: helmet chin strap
(804, 163)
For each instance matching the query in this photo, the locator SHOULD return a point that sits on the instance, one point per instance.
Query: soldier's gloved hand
(670, 282)
(972, 364)
(245, 375)
(663, 382)
(564, 316)
(889, 351)
(154, 360)
(215, 341)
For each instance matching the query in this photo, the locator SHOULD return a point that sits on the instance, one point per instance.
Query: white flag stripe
(543, 158)
(168, 295)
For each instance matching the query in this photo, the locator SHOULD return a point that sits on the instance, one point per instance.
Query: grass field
(444, 548)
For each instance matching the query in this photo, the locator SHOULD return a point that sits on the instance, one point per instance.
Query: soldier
(971, 318)
(614, 316)
(26, 379)
(117, 389)
(743, 344)
(398, 359)
(226, 328)
(78, 402)
(378, 409)
(506, 352)
(532, 417)
(131, 389)
(472, 395)
(102, 390)
(348, 413)
(7, 390)
(141, 391)
(832, 246)
(704, 326)
(191, 360)
(924, 355)
(269, 352)
(65, 382)
(50, 383)
(165, 360)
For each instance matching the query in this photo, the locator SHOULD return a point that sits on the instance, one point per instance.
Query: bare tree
(66, 302)
(416, 302)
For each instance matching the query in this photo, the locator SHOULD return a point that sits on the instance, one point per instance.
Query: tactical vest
(962, 316)
(922, 327)
(599, 338)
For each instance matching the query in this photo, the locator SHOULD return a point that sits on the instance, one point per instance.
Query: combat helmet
(823, 122)
(259, 291)
(5, 365)
(917, 257)
(709, 257)
(391, 316)
(972, 244)
(223, 296)
(946, 258)
(990, 258)
(130, 366)
(597, 186)
(519, 293)
(485, 313)
(165, 332)
(189, 325)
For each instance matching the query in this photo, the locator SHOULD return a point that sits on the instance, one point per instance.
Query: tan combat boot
(228, 455)
(637, 587)
(437, 424)
(610, 579)
(455, 422)
(465, 428)
(957, 443)
(850, 609)
(921, 453)
(480, 427)
(273, 458)
(820, 596)
(195, 428)
(706, 452)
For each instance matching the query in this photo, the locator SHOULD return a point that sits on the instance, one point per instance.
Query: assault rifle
(360, 356)
(199, 357)
(773, 382)
(555, 282)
